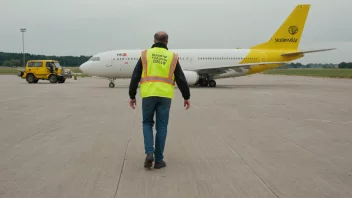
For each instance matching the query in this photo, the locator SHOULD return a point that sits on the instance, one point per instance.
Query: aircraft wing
(304, 52)
(224, 68)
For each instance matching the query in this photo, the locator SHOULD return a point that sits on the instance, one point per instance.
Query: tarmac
(257, 136)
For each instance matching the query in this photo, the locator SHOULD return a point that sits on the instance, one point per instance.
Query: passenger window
(35, 64)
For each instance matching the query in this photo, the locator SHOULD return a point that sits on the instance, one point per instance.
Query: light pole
(23, 30)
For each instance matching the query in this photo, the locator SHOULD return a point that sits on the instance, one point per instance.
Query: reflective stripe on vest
(169, 80)
(157, 79)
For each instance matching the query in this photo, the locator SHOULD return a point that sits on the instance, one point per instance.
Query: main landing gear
(112, 84)
(203, 82)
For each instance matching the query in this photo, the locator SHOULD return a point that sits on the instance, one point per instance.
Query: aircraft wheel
(112, 85)
(212, 83)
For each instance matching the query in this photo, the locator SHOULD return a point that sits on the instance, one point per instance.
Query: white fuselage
(121, 63)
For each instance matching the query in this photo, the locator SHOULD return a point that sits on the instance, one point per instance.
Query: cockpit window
(94, 58)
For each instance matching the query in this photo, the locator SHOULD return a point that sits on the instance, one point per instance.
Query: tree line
(16, 59)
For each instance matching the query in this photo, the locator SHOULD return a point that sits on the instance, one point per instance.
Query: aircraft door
(109, 61)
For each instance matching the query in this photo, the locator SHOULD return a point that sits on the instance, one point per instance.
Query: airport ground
(256, 136)
(312, 72)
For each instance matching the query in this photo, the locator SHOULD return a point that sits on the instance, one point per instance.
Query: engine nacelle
(191, 77)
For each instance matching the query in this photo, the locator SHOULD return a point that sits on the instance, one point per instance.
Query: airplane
(203, 66)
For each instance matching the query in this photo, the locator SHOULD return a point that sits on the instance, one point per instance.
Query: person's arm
(182, 82)
(135, 79)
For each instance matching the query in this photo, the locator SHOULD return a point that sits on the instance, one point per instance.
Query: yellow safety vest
(158, 73)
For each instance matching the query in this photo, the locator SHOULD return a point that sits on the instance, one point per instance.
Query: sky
(87, 27)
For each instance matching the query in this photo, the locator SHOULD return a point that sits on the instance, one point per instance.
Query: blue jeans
(160, 106)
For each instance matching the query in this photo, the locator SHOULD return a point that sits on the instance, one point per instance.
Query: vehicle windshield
(57, 65)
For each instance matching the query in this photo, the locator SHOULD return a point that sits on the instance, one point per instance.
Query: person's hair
(161, 37)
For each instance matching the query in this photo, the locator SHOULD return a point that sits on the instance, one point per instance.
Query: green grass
(331, 73)
(10, 70)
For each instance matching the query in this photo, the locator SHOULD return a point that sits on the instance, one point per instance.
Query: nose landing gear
(112, 84)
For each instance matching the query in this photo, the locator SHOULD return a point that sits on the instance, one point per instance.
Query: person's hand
(187, 104)
(133, 103)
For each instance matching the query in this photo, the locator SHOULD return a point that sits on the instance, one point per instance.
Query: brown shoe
(160, 164)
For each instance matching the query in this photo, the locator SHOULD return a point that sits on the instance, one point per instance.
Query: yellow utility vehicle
(43, 70)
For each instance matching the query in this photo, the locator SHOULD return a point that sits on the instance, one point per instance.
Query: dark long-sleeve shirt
(179, 78)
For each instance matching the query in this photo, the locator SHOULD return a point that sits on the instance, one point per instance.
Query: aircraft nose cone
(84, 67)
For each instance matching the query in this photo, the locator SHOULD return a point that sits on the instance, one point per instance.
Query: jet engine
(191, 77)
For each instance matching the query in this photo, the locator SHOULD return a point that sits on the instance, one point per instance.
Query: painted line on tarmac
(264, 92)
(328, 121)
(15, 98)
(196, 106)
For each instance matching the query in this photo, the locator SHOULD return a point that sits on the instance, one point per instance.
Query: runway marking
(313, 120)
(196, 106)
(263, 92)
(51, 128)
(266, 105)
(15, 98)
(328, 121)
(251, 119)
(135, 112)
(261, 180)
(126, 150)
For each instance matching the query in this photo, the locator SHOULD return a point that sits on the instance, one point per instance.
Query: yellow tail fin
(288, 36)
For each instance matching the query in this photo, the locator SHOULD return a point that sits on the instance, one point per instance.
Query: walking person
(157, 71)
